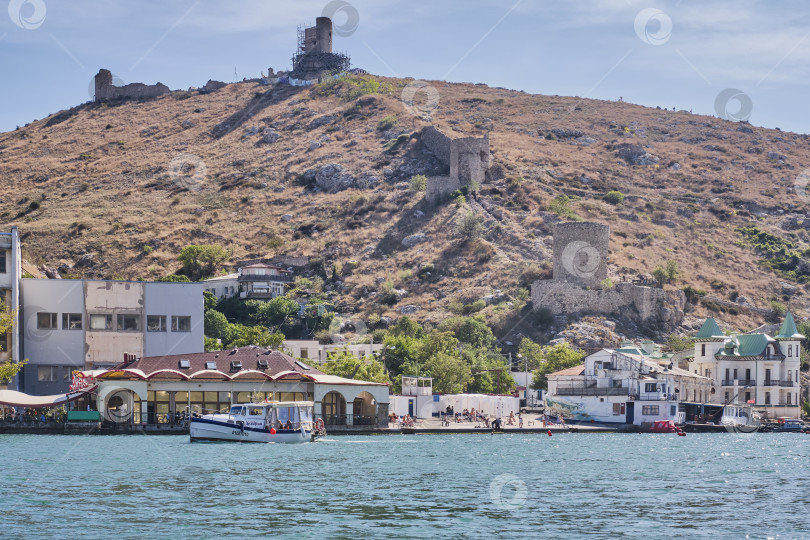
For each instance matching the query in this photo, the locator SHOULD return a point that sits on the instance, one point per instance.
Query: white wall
(181, 299)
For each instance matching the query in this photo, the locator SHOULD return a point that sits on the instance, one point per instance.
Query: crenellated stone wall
(106, 91)
(580, 266)
(654, 307)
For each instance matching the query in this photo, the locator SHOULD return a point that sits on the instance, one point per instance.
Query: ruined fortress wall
(642, 304)
(469, 159)
(106, 91)
(437, 142)
(439, 187)
(581, 253)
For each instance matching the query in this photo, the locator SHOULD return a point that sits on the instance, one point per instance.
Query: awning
(18, 399)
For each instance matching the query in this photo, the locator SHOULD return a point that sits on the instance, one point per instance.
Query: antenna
(235, 76)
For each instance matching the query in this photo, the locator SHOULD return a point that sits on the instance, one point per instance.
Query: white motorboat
(740, 418)
(272, 421)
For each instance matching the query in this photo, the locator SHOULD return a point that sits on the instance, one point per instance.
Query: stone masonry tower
(581, 253)
(104, 81)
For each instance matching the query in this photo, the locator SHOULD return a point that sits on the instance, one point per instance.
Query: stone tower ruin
(581, 253)
(314, 55)
(107, 91)
(467, 159)
(580, 266)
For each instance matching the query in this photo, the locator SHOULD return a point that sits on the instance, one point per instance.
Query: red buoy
(681, 434)
(549, 433)
(272, 431)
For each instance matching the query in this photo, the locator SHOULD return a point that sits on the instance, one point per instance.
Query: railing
(265, 277)
(743, 382)
(653, 397)
(336, 419)
(746, 382)
(364, 420)
(592, 391)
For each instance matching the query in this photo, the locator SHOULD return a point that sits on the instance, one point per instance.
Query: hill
(117, 190)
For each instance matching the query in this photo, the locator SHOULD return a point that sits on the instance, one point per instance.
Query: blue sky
(668, 53)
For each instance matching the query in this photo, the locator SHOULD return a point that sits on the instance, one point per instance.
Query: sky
(736, 59)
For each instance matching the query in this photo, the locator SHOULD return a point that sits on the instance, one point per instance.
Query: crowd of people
(32, 417)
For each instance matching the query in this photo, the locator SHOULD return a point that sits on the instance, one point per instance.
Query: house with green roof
(752, 368)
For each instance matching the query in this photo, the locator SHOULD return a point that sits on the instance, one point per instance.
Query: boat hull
(203, 429)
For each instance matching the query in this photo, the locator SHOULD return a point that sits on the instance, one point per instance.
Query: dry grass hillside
(117, 190)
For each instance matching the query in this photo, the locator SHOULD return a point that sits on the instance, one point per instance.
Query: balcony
(777, 382)
(283, 278)
(740, 382)
(593, 391)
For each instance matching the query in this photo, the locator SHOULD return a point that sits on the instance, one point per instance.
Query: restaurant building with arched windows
(165, 389)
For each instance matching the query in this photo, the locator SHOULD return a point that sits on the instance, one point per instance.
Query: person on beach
(520, 421)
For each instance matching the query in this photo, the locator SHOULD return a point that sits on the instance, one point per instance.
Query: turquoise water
(518, 486)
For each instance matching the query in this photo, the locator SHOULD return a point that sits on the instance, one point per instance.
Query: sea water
(720, 485)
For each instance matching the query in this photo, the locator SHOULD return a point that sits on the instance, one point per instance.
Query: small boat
(666, 426)
(789, 425)
(272, 421)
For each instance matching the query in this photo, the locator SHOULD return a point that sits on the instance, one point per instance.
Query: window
(46, 320)
(304, 354)
(747, 397)
(735, 373)
(748, 374)
(211, 365)
(3, 341)
(3, 262)
(181, 323)
(672, 410)
(101, 322)
(649, 410)
(767, 398)
(71, 321)
(790, 350)
(129, 323)
(156, 323)
(702, 349)
(47, 373)
(650, 387)
(618, 409)
(727, 373)
(725, 398)
(184, 363)
(67, 374)
(789, 397)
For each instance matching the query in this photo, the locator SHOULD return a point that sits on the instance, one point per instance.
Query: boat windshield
(238, 409)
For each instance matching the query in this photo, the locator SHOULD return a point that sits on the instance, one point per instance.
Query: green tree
(345, 364)
(212, 344)
(399, 351)
(614, 197)
(672, 271)
(677, 343)
(8, 369)
(215, 324)
(200, 261)
(406, 326)
(451, 374)
(241, 336)
(555, 358)
(470, 227)
(660, 276)
(470, 330)
(209, 301)
(174, 278)
(281, 310)
(418, 182)
(532, 353)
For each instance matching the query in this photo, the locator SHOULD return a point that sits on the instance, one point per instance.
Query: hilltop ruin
(107, 91)
(314, 55)
(467, 160)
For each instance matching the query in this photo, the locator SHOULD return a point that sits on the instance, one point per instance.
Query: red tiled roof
(277, 362)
